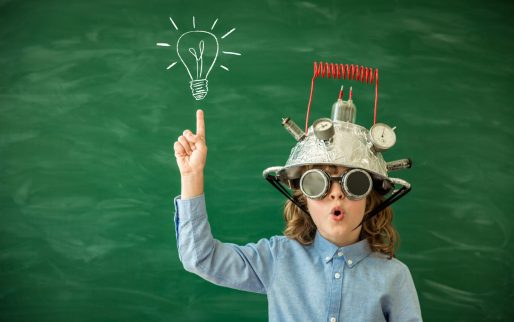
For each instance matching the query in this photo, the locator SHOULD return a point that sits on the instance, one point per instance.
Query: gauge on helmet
(323, 129)
(382, 136)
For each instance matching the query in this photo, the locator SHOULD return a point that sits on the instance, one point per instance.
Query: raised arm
(242, 267)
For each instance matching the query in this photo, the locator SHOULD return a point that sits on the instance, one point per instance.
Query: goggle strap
(386, 203)
(276, 183)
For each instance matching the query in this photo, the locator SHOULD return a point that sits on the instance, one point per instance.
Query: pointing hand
(191, 150)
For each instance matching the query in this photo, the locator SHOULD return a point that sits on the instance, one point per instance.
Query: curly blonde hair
(379, 231)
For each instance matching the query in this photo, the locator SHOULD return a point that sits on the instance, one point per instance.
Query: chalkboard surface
(89, 107)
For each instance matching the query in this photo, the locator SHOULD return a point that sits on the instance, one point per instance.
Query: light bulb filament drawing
(198, 51)
(198, 59)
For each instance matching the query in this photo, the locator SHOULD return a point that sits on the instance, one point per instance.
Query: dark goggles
(355, 183)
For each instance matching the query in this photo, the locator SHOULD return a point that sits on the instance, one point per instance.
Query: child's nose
(336, 191)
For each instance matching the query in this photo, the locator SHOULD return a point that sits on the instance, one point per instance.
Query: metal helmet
(338, 141)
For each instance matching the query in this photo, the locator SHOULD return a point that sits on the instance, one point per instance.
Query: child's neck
(342, 242)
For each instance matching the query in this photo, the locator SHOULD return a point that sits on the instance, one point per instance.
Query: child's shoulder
(281, 244)
(393, 265)
(280, 241)
(380, 257)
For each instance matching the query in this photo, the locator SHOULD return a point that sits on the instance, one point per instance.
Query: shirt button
(327, 258)
(332, 319)
(340, 254)
(350, 262)
(337, 275)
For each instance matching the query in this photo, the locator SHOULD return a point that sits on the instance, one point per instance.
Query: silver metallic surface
(399, 164)
(293, 129)
(323, 129)
(344, 111)
(382, 136)
(401, 182)
(350, 147)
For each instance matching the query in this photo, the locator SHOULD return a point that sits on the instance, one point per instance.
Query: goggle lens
(313, 184)
(356, 183)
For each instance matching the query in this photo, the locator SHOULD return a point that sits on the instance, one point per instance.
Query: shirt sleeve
(247, 268)
(405, 303)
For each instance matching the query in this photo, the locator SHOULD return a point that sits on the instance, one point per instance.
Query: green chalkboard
(89, 108)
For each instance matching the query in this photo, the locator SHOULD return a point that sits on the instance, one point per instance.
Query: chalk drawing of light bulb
(198, 51)
(198, 61)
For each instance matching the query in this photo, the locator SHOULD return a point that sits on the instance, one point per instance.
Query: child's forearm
(248, 268)
(191, 185)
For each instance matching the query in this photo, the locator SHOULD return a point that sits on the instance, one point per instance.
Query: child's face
(336, 216)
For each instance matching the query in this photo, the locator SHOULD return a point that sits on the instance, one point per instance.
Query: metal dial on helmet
(323, 129)
(382, 136)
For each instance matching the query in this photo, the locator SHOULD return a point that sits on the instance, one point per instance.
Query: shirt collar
(352, 254)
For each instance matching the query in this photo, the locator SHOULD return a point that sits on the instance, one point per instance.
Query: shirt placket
(336, 286)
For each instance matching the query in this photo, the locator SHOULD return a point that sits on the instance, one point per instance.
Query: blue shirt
(316, 282)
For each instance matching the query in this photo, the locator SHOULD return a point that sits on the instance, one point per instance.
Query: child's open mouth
(337, 214)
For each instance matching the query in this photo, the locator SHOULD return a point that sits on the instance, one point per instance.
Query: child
(331, 265)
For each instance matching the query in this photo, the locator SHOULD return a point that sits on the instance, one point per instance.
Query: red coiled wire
(344, 71)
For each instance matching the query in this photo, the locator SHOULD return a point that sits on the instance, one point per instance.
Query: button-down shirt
(316, 282)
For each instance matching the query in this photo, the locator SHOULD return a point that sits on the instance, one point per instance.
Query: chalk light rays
(164, 44)
(209, 41)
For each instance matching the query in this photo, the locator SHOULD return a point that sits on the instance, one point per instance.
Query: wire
(363, 74)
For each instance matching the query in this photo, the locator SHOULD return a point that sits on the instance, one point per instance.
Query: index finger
(200, 124)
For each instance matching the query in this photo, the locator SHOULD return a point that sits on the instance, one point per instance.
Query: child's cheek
(357, 207)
